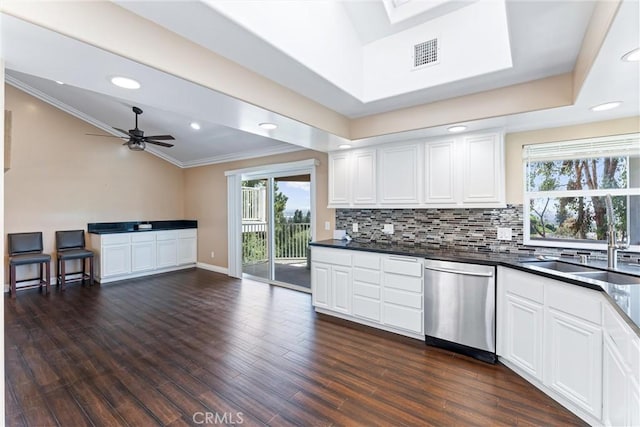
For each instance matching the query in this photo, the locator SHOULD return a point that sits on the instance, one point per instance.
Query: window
(566, 184)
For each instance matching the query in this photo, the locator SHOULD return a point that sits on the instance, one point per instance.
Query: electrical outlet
(387, 229)
(354, 227)
(213, 254)
(504, 233)
(327, 225)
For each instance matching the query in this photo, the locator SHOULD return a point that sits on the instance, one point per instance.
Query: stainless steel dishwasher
(460, 308)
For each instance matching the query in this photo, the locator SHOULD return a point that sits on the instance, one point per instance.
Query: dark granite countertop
(624, 298)
(132, 226)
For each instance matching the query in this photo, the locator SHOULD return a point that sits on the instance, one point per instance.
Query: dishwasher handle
(463, 272)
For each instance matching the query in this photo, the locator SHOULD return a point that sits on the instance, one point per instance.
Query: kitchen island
(138, 248)
(559, 324)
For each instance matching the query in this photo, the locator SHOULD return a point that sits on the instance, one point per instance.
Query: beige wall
(515, 141)
(61, 179)
(206, 201)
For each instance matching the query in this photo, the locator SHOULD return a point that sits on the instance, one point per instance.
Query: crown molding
(241, 156)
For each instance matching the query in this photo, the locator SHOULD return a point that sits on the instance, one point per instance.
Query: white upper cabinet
(483, 170)
(364, 177)
(461, 171)
(339, 177)
(399, 174)
(439, 172)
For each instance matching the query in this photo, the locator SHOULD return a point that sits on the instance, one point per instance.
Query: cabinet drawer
(366, 290)
(145, 236)
(188, 233)
(411, 284)
(367, 308)
(367, 261)
(116, 239)
(401, 265)
(167, 235)
(331, 256)
(522, 284)
(404, 318)
(364, 275)
(406, 299)
(579, 302)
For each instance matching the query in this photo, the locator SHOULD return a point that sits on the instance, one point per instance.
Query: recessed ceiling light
(634, 55)
(268, 126)
(125, 82)
(458, 128)
(606, 106)
(59, 82)
(194, 126)
(344, 146)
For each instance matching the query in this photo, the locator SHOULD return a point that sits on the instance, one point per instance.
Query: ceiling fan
(136, 140)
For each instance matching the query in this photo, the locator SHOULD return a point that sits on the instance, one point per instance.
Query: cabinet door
(167, 253)
(399, 175)
(187, 250)
(615, 391)
(143, 256)
(440, 172)
(339, 178)
(116, 260)
(363, 189)
(573, 362)
(483, 180)
(523, 325)
(341, 289)
(320, 280)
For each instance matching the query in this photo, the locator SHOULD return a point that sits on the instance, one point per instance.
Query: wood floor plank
(167, 349)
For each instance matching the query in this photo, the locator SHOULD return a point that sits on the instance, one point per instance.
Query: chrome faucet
(612, 239)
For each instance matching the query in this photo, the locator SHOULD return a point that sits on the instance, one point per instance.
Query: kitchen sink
(611, 277)
(562, 267)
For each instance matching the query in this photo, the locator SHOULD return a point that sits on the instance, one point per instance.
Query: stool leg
(48, 272)
(12, 280)
(84, 268)
(63, 274)
(91, 270)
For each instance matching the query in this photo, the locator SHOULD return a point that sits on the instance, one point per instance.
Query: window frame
(599, 150)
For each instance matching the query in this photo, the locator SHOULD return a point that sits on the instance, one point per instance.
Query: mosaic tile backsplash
(459, 229)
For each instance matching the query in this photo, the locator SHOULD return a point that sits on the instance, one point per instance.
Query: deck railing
(291, 241)
(254, 204)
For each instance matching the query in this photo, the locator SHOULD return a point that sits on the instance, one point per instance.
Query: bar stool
(70, 246)
(24, 249)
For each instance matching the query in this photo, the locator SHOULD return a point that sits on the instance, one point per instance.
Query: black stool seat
(23, 259)
(69, 254)
(26, 248)
(70, 246)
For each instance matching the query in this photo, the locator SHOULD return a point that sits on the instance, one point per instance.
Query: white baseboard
(211, 267)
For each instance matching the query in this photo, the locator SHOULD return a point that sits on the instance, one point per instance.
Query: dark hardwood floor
(198, 348)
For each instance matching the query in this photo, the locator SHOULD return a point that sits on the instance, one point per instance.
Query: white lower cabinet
(374, 289)
(320, 283)
(573, 363)
(123, 255)
(143, 252)
(115, 260)
(187, 246)
(341, 289)
(572, 343)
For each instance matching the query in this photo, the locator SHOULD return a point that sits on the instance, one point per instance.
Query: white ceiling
(545, 38)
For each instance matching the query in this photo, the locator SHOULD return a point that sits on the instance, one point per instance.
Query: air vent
(425, 53)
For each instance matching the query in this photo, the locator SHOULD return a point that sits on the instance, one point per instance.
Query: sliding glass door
(276, 229)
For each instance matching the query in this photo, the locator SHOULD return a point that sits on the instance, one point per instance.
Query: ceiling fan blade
(162, 144)
(161, 137)
(108, 136)
(123, 131)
